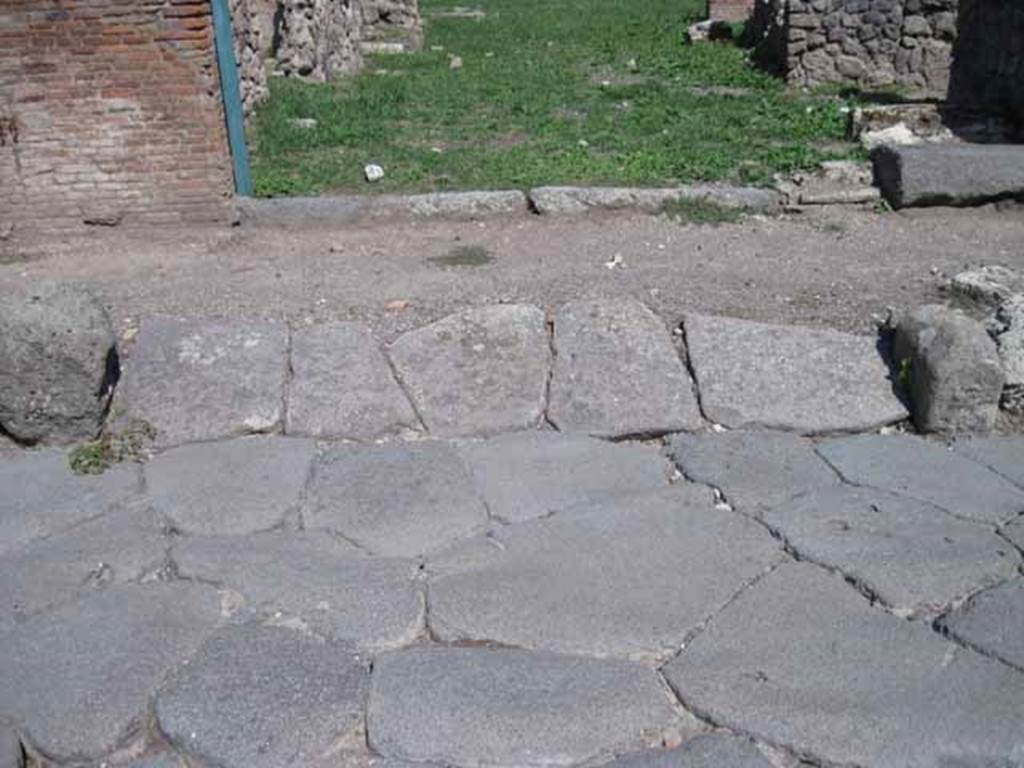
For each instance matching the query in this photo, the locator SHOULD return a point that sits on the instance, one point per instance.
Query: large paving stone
(617, 373)
(926, 471)
(628, 577)
(803, 661)
(78, 680)
(258, 696)
(480, 372)
(235, 487)
(1015, 532)
(11, 753)
(948, 174)
(712, 750)
(122, 546)
(993, 622)
(342, 385)
(914, 556)
(529, 474)
(479, 707)
(399, 500)
(754, 470)
(199, 380)
(1004, 455)
(58, 362)
(328, 586)
(41, 496)
(795, 379)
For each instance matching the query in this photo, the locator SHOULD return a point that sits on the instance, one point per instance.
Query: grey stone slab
(803, 661)
(617, 373)
(1014, 531)
(157, 760)
(483, 371)
(41, 496)
(11, 753)
(530, 474)
(955, 378)
(795, 379)
(256, 696)
(478, 707)
(119, 547)
(948, 174)
(712, 750)
(196, 380)
(627, 577)
(754, 470)
(927, 471)
(1004, 455)
(993, 622)
(77, 681)
(235, 487)
(914, 556)
(58, 362)
(342, 385)
(326, 585)
(399, 500)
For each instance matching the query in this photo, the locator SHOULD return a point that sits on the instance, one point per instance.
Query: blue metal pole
(231, 95)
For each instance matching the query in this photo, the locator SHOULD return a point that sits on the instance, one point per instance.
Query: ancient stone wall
(988, 61)
(110, 110)
(249, 51)
(866, 43)
(318, 39)
(730, 10)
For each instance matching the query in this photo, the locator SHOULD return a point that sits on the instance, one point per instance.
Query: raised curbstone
(576, 200)
(198, 380)
(505, 707)
(342, 385)
(264, 697)
(480, 372)
(795, 379)
(235, 487)
(647, 391)
(948, 174)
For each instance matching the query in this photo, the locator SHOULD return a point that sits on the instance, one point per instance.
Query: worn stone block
(645, 391)
(712, 750)
(993, 622)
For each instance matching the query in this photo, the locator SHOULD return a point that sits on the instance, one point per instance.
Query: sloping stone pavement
(567, 573)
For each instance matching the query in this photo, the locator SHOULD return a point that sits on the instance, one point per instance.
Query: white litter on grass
(373, 173)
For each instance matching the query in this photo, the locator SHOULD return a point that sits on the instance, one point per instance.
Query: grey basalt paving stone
(197, 380)
(480, 372)
(11, 754)
(803, 661)
(158, 760)
(478, 707)
(328, 586)
(342, 385)
(399, 500)
(754, 470)
(234, 487)
(529, 474)
(77, 681)
(993, 622)
(628, 577)
(122, 546)
(790, 378)
(927, 471)
(711, 750)
(255, 697)
(1004, 455)
(617, 373)
(1015, 532)
(41, 496)
(915, 557)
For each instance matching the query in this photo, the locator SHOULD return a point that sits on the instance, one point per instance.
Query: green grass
(97, 456)
(550, 92)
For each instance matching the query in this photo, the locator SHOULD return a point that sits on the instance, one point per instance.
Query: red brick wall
(110, 111)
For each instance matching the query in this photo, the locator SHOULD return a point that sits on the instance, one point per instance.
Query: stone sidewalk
(515, 540)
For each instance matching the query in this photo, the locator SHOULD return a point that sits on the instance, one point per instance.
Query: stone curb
(361, 209)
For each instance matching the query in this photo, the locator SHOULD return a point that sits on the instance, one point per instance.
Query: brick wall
(110, 111)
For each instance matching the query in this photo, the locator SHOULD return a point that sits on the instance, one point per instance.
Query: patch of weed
(464, 256)
(112, 447)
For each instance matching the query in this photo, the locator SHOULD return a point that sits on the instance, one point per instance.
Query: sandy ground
(836, 268)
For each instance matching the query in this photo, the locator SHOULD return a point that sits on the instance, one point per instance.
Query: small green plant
(700, 211)
(112, 447)
(904, 375)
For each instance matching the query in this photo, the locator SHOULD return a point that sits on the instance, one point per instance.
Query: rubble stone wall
(249, 51)
(988, 61)
(866, 43)
(110, 111)
(318, 39)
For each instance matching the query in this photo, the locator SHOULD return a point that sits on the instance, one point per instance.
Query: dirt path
(835, 268)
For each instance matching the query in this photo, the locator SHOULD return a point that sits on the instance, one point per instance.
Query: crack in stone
(289, 375)
(549, 326)
(404, 387)
(684, 354)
